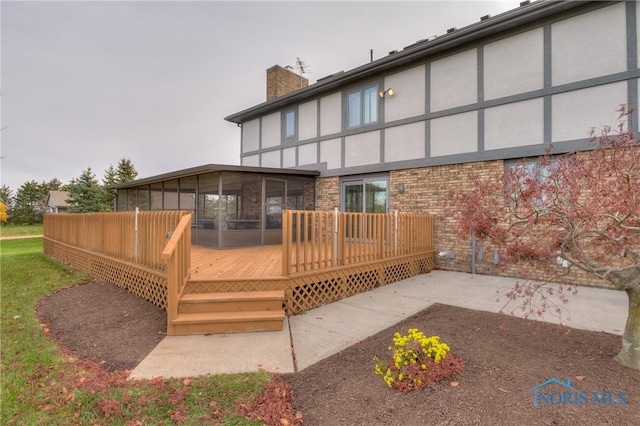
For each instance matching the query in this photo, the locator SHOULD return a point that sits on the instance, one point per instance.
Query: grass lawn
(43, 385)
(21, 230)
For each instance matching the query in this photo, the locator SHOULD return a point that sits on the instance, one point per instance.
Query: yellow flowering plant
(413, 355)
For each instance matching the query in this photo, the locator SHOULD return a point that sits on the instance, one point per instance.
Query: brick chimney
(281, 81)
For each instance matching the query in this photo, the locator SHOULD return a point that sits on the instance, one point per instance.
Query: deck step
(231, 302)
(228, 322)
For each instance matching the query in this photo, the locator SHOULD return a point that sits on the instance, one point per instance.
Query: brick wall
(427, 190)
(330, 188)
(281, 81)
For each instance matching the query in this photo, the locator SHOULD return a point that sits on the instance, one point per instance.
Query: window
(362, 107)
(531, 181)
(290, 124)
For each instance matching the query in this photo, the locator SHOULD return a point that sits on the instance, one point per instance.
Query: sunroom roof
(208, 168)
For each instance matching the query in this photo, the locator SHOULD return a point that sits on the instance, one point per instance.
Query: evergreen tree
(54, 184)
(86, 195)
(28, 205)
(125, 172)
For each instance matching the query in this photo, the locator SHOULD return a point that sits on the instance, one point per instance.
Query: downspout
(473, 253)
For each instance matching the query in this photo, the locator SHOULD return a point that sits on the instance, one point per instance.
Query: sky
(87, 83)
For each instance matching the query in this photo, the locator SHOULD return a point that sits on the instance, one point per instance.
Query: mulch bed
(504, 359)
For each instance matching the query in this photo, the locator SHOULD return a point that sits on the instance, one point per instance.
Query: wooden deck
(240, 263)
(326, 257)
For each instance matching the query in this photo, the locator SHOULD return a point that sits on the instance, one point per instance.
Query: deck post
(135, 235)
(335, 236)
(395, 249)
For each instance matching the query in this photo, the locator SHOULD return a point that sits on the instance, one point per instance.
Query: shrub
(417, 361)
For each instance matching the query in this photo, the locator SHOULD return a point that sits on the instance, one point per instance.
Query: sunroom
(232, 206)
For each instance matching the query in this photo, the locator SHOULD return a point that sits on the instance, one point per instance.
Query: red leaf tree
(580, 209)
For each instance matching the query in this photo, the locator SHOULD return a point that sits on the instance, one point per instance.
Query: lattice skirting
(310, 290)
(143, 282)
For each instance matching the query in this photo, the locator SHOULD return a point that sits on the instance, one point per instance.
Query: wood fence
(317, 240)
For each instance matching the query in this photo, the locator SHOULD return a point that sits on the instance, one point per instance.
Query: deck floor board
(246, 262)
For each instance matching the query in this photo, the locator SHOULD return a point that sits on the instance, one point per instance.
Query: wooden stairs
(231, 312)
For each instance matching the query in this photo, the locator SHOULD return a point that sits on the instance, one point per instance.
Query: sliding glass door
(366, 195)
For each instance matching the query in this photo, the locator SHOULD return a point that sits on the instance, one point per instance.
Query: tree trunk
(629, 355)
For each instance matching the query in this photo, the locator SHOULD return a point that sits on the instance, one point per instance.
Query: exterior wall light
(401, 187)
(388, 92)
(318, 192)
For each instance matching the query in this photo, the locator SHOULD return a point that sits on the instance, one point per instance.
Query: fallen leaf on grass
(454, 384)
(580, 378)
(186, 382)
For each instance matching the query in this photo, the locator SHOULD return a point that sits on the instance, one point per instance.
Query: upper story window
(290, 123)
(362, 106)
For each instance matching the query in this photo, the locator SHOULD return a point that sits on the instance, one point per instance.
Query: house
(57, 202)
(401, 132)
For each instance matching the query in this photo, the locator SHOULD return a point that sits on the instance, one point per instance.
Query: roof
(527, 12)
(58, 199)
(208, 168)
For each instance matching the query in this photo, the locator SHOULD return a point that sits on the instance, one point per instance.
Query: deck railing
(123, 248)
(177, 255)
(137, 237)
(316, 240)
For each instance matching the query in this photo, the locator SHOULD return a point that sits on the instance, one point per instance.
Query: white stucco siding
(454, 80)
(575, 113)
(362, 149)
(409, 94)
(271, 159)
(589, 45)
(331, 114)
(404, 142)
(308, 154)
(515, 124)
(308, 120)
(454, 134)
(271, 130)
(331, 153)
(251, 161)
(289, 157)
(251, 135)
(514, 65)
